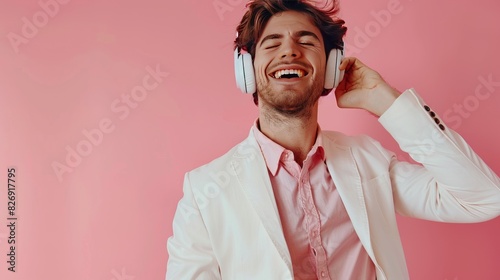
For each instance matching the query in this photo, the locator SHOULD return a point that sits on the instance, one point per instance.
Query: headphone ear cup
(333, 75)
(244, 72)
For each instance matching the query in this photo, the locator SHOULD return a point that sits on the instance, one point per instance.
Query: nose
(290, 49)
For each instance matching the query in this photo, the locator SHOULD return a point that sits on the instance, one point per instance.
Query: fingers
(347, 63)
(352, 63)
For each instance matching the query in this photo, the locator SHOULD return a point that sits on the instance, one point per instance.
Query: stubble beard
(288, 104)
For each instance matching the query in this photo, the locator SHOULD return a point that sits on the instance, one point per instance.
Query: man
(295, 202)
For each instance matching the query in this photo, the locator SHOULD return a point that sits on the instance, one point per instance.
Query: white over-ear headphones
(245, 75)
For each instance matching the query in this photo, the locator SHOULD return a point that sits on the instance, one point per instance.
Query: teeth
(280, 73)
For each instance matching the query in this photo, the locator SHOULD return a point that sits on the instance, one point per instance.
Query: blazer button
(432, 114)
(441, 127)
(437, 120)
(427, 108)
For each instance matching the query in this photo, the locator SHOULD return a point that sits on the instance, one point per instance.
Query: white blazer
(227, 225)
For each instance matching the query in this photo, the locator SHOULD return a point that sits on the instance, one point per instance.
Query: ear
(244, 72)
(333, 75)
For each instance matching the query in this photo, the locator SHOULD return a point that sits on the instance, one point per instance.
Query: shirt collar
(274, 153)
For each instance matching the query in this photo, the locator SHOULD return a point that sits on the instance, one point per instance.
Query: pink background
(109, 216)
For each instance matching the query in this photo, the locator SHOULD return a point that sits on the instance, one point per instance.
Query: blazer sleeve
(451, 183)
(189, 248)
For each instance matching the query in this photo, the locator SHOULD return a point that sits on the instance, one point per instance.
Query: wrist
(383, 96)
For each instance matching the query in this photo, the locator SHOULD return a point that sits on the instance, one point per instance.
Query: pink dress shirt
(319, 234)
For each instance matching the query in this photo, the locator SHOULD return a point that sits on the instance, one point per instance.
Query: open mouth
(289, 74)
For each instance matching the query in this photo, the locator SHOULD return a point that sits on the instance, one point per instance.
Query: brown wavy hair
(259, 12)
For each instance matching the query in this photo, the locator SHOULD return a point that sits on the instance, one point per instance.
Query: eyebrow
(297, 34)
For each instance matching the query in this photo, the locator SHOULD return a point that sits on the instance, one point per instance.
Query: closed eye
(270, 47)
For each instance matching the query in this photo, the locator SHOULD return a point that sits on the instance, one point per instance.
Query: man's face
(290, 63)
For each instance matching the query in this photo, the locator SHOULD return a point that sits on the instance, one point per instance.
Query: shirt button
(323, 274)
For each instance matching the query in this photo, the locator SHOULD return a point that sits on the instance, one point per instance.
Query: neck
(296, 133)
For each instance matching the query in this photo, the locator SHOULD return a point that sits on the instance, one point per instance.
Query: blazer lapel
(343, 169)
(252, 175)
